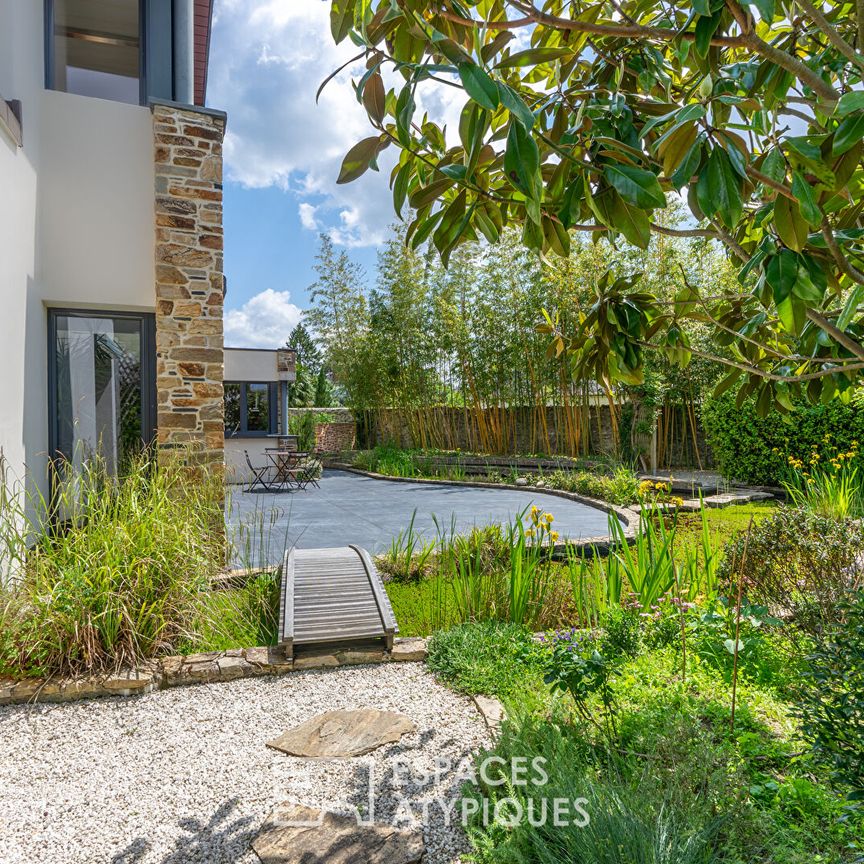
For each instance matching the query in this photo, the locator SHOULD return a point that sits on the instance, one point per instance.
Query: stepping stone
(294, 834)
(491, 710)
(342, 734)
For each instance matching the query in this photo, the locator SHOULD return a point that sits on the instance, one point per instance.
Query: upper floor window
(94, 48)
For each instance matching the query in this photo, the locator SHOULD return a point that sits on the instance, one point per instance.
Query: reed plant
(108, 571)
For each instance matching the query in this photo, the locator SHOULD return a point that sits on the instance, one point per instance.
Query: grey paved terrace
(351, 508)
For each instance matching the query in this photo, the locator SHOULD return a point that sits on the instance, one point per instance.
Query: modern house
(111, 241)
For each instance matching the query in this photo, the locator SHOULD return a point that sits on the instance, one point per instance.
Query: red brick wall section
(335, 437)
(189, 280)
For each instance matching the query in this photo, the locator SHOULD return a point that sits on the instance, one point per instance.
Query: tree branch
(791, 64)
(836, 334)
(831, 33)
(747, 39)
(535, 16)
(837, 254)
(730, 243)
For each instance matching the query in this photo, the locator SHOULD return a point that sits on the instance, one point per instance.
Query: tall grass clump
(833, 489)
(109, 571)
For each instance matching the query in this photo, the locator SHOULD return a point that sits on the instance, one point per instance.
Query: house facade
(111, 241)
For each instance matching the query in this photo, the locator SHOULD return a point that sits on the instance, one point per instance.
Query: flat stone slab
(294, 834)
(342, 734)
(491, 710)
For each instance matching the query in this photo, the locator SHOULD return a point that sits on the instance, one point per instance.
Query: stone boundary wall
(335, 437)
(206, 668)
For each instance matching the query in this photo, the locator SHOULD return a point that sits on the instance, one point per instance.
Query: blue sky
(282, 157)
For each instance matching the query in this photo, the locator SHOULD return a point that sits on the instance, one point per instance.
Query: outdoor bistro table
(286, 463)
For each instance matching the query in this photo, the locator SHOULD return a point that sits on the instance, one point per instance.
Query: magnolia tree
(589, 116)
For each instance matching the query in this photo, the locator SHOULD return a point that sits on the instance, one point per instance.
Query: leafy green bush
(622, 826)
(622, 633)
(389, 460)
(798, 564)
(492, 658)
(755, 449)
(831, 700)
(302, 424)
(621, 487)
(119, 579)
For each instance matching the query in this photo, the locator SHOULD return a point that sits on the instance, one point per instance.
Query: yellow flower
(553, 536)
(549, 518)
(529, 532)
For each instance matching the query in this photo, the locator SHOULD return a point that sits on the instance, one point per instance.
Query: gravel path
(183, 776)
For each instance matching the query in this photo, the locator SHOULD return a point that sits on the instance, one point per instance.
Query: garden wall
(335, 434)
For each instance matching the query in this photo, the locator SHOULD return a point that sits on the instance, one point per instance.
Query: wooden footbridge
(333, 598)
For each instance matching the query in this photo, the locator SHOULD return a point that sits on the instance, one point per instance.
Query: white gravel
(183, 775)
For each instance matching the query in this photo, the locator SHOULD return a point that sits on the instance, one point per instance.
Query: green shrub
(798, 564)
(621, 487)
(623, 825)
(831, 700)
(119, 579)
(302, 424)
(622, 633)
(755, 449)
(492, 658)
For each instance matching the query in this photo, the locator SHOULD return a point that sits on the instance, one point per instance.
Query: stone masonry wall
(189, 280)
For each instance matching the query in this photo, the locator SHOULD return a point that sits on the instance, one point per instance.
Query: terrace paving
(353, 509)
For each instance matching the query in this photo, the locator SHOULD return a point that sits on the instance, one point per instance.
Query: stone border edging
(206, 668)
(601, 542)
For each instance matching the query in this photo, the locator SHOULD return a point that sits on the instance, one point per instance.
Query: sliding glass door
(101, 377)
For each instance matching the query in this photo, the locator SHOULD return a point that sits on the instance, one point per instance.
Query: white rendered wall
(250, 364)
(236, 469)
(76, 223)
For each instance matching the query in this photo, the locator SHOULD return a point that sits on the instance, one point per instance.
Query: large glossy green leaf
(360, 158)
(635, 185)
(479, 86)
(806, 198)
(791, 227)
(341, 18)
(533, 56)
(513, 102)
(631, 221)
(849, 102)
(522, 160)
(848, 134)
(719, 188)
(781, 273)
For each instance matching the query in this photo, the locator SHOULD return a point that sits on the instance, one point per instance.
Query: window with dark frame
(101, 384)
(93, 48)
(250, 409)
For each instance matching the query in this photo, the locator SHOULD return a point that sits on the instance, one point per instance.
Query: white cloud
(267, 61)
(307, 216)
(264, 321)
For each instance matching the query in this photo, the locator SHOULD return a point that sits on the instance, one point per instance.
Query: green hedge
(753, 449)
